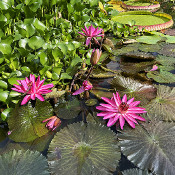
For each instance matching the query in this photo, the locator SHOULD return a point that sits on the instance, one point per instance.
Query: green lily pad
(144, 19)
(91, 102)
(168, 50)
(162, 76)
(83, 149)
(164, 104)
(150, 146)
(135, 171)
(25, 122)
(133, 88)
(68, 109)
(149, 47)
(23, 162)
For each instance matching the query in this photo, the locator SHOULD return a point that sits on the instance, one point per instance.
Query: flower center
(123, 107)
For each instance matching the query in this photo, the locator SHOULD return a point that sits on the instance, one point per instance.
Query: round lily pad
(23, 162)
(145, 20)
(83, 149)
(163, 104)
(140, 5)
(150, 146)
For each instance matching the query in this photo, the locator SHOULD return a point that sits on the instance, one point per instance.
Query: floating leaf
(133, 88)
(135, 171)
(83, 149)
(68, 109)
(149, 47)
(149, 39)
(165, 60)
(23, 162)
(25, 122)
(168, 50)
(150, 146)
(91, 102)
(164, 104)
(162, 76)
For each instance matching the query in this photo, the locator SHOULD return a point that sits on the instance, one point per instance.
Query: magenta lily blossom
(85, 87)
(53, 123)
(32, 89)
(90, 33)
(155, 67)
(117, 109)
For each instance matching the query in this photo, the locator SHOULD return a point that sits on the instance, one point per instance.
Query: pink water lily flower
(155, 67)
(117, 109)
(53, 123)
(90, 33)
(95, 57)
(85, 87)
(32, 89)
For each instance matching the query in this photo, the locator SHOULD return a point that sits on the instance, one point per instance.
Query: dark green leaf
(23, 162)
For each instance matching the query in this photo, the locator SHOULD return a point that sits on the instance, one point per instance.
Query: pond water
(133, 72)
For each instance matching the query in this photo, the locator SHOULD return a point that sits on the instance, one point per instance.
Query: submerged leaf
(150, 146)
(168, 50)
(25, 122)
(23, 162)
(83, 149)
(164, 104)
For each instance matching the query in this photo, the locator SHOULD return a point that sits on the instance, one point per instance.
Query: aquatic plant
(32, 89)
(90, 33)
(53, 122)
(96, 54)
(120, 110)
(85, 87)
(155, 67)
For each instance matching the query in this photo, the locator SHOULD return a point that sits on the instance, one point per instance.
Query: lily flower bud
(96, 54)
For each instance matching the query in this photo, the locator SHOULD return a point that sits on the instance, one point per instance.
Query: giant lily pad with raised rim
(150, 146)
(164, 103)
(145, 20)
(84, 149)
(141, 5)
(23, 162)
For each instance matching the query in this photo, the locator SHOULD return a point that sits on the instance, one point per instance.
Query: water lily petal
(25, 99)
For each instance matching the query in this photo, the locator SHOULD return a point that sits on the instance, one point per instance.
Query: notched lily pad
(68, 108)
(164, 103)
(91, 102)
(150, 146)
(83, 149)
(133, 88)
(161, 76)
(25, 122)
(23, 162)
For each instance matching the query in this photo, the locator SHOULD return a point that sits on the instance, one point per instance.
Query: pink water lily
(117, 109)
(32, 89)
(155, 67)
(53, 122)
(90, 33)
(85, 87)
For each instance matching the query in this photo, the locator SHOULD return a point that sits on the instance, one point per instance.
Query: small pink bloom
(155, 67)
(85, 87)
(53, 122)
(117, 109)
(90, 33)
(32, 89)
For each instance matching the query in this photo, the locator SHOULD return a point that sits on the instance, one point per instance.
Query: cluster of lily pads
(67, 114)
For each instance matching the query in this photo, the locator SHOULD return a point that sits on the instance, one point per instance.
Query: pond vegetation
(87, 87)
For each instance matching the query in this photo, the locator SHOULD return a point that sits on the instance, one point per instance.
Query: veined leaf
(23, 162)
(83, 149)
(150, 146)
(164, 103)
